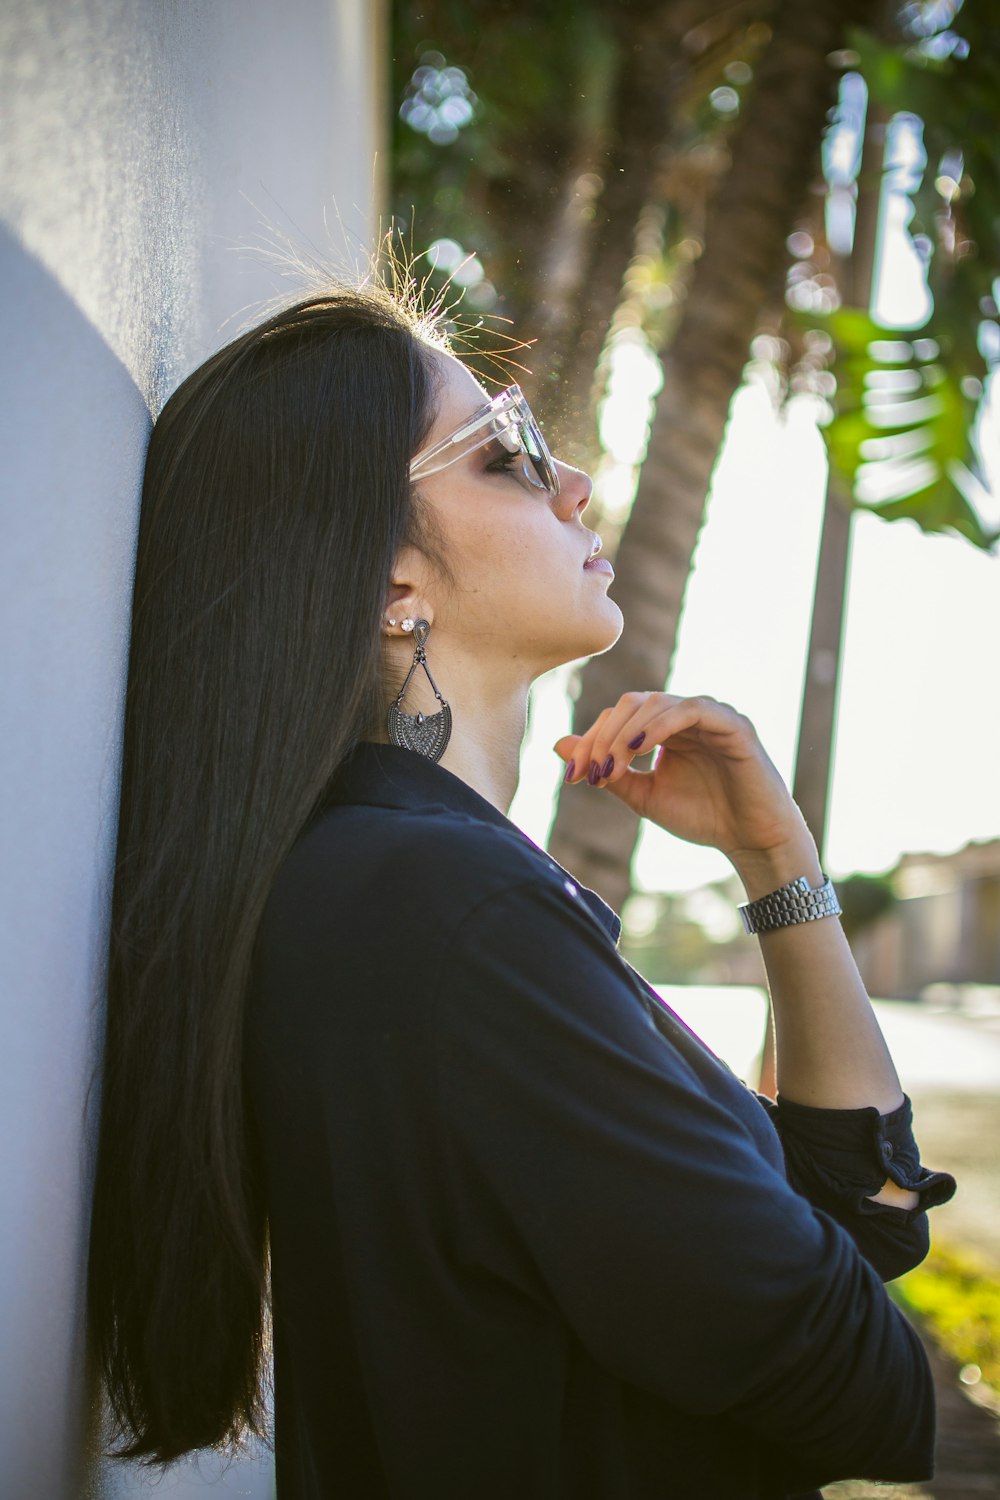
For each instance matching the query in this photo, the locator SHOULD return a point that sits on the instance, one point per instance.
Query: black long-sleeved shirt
(529, 1237)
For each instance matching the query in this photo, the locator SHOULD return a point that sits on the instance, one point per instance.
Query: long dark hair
(276, 496)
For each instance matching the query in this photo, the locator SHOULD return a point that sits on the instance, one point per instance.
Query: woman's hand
(711, 783)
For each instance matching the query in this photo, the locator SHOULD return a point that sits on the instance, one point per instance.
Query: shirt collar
(377, 775)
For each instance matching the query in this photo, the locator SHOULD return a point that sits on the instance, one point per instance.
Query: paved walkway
(949, 1063)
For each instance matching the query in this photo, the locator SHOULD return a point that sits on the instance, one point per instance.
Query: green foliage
(674, 946)
(959, 1299)
(538, 81)
(902, 435)
(864, 898)
(951, 82)
(576, 104)
(905, 409)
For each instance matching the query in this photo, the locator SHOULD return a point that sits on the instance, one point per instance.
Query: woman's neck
(485, 745)
(489, 717)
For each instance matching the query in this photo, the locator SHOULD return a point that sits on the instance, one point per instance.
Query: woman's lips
(595, 563)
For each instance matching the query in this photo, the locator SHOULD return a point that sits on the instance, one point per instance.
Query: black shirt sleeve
(593, 1170)
(837, 1158)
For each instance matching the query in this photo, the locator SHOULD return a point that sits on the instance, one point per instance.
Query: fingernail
(607, 767)
(594, 774)
(634, 744)
(568, 773)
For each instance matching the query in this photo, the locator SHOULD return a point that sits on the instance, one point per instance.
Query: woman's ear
(406, 599)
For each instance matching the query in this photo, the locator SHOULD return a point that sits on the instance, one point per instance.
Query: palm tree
(579, 115)
(817, 723)
(773, 160)
(906, 404)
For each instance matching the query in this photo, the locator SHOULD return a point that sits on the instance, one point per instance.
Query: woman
(372, 1052)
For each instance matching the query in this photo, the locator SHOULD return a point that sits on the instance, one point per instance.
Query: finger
(640, 721)
(565, 746)
(661, 719)
(667, 717)
(568, 749)
(627, 730)
(606, 745)
(580, 756)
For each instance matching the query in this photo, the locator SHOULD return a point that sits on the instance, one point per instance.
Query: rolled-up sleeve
(624, 1196)
(839, 1158)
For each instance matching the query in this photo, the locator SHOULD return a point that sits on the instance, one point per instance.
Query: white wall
(136, 133)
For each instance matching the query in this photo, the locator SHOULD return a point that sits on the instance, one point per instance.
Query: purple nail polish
(568, 773)
(607, 767)
(594, 774)
(634, 744)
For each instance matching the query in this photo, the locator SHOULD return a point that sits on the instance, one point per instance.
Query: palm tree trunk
(774, 156)
(818, 721)
(818, 718)
(580, 277)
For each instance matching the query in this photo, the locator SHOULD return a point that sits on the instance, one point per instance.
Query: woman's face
(521, 590)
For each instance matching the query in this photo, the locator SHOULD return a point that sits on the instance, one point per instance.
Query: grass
(957, 1296)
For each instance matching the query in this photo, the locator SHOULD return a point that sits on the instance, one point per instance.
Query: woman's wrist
(765, 870)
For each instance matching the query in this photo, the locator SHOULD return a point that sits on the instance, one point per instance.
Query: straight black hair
(275, 499)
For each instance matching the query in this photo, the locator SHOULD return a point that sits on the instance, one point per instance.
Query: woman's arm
(712, 783)
(593, 1170)
(829, 1048)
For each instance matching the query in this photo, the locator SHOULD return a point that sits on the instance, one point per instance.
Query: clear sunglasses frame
(507, 418)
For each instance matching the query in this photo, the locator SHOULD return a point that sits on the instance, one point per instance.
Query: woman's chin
(599, 634)
(607, 629)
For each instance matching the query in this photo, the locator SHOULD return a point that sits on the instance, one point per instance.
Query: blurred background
(743, 256)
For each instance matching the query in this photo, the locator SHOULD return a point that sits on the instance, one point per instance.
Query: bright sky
(917, 763)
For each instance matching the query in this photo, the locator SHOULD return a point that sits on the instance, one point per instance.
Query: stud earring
(427, 734)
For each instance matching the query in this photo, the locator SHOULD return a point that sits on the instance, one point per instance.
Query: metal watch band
(795, 902)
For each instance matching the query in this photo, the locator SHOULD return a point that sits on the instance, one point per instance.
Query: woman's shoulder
(368, 895)
(441, 859)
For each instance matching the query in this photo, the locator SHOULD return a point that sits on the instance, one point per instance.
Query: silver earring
(427, 734)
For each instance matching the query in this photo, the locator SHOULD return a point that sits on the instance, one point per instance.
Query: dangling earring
(427, 734)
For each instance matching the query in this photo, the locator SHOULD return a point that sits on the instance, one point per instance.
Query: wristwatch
(795, 902)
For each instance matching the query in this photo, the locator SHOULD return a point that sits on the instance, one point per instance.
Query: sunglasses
(507, 419)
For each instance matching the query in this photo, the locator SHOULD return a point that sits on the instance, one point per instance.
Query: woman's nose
(575, 489)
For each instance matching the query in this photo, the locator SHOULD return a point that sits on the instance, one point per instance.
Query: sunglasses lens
(541, 469)
(509, 432)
